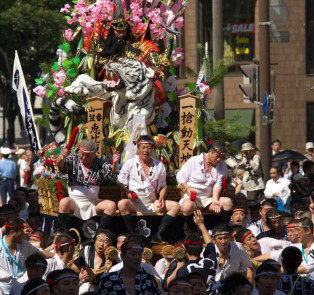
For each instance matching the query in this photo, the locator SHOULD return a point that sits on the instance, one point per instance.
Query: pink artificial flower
(66, 8)
(178, 24)
(59, 77)
(40, 91)
(61, 91)
(68, 35)
(177, 56)
(205, 89)
(170, 84)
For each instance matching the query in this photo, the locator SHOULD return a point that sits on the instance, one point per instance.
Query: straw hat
(247, 147)
(20, 152)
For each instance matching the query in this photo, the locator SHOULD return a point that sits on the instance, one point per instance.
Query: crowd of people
(262, 243)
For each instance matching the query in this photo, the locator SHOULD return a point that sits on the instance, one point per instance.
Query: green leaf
(172, 70)
(65, 47)
(39, 81)
(50, 85)
(72, 72)
(56, 66)
(67, 17)
(172, 96)
(49, 93)
(190, 86)
(67, 63)
(76, 60)
(74, 1)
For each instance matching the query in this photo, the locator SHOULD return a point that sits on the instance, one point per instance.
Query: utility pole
(264, 62)
(218, 49)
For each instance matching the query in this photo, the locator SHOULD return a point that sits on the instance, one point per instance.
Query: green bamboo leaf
(49, 93)
(50, 85)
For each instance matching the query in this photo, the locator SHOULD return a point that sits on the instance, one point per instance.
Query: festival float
(115, 78)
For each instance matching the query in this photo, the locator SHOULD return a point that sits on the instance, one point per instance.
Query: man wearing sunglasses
(201, 177)
(85, 174)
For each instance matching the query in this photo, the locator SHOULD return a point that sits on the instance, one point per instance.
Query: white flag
(19, 85)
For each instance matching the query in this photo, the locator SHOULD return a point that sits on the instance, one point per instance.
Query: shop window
(238, 29)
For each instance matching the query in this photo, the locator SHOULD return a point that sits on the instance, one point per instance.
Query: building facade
(292, 57)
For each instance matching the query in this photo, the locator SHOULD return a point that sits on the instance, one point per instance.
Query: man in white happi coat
(85, 174)
(143, 178)
(203, 175)
(13, 253)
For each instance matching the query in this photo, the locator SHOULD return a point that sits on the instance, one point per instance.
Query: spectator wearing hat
(253, 181)
(290, 282)
(277, 187)
(22, 165)
(7, 175)
(309, 151)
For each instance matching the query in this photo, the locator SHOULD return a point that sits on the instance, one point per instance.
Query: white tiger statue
(131, 90)
(55, 123)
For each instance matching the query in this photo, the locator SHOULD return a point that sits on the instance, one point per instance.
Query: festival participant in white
(142, 178)
(13, 253)
(229, 257)
(86, 172)
(203, 175)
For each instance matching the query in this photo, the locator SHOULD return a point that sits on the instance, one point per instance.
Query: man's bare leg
(126, 207)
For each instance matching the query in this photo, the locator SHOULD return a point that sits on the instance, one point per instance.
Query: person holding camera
(253, 181)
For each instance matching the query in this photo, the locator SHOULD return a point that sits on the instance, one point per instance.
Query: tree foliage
(33, 28)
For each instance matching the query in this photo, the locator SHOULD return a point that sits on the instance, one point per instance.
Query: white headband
(146, 142)
(221, 233)
(36, 288)
(273, 217)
